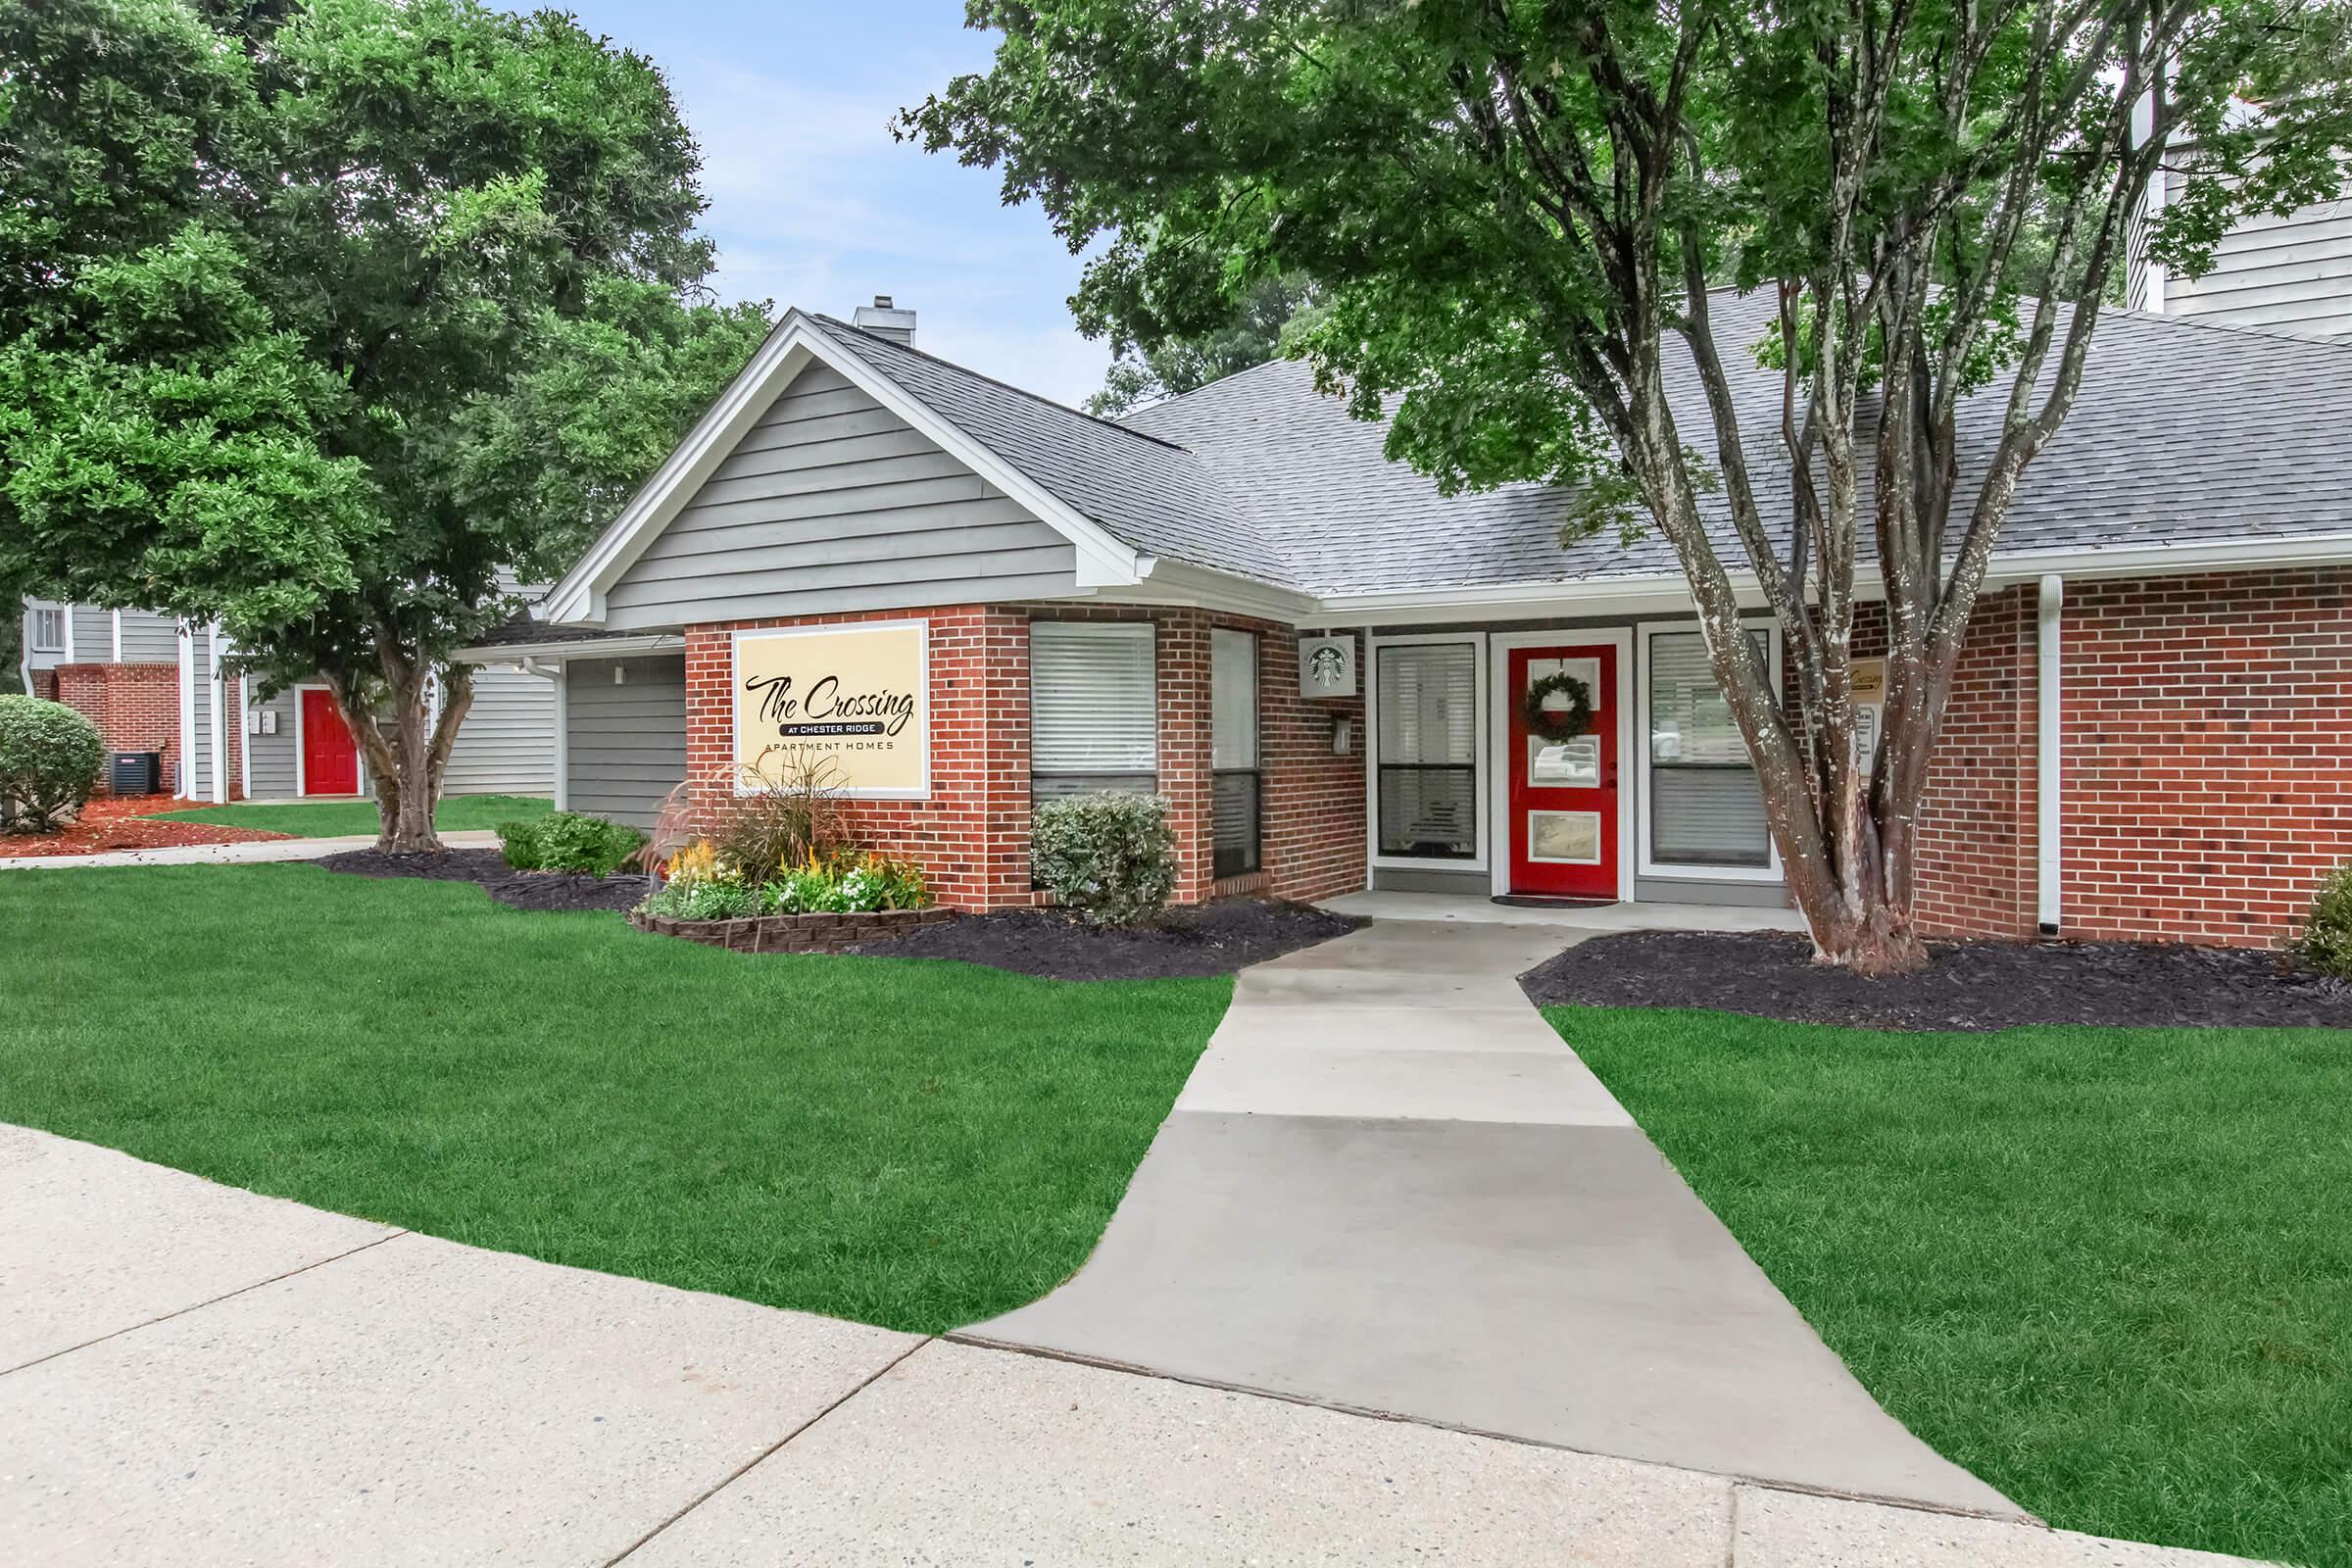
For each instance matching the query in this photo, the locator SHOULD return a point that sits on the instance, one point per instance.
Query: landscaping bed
(825, 931)
(122, 822)
(1965, 985)
(488, 869)
(1207, 938)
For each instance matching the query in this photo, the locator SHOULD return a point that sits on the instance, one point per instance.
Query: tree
(1507, 206)
(331, 322)
(1252, 334)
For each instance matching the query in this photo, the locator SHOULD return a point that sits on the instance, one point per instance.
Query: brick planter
(794, 933)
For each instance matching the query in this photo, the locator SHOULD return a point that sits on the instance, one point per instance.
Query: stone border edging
(823, 932)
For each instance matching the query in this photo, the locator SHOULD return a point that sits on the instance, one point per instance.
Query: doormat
(1549, 901)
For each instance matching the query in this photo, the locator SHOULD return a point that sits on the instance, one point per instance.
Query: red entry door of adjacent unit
(1563, 792)
(330, 757)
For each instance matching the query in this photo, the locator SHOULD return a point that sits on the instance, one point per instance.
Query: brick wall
(973, 835)
(136, 707)
(2207, 763)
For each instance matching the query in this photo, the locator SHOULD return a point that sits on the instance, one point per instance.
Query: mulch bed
(1208, 939)
(1965, 985)
(561, 891)
(120, 823)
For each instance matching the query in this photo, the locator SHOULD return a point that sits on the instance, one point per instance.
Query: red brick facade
(2206, 783)
(972, 834)
(136, 707)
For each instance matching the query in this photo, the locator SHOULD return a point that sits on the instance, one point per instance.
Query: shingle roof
(2183, 432)
(1148, 493)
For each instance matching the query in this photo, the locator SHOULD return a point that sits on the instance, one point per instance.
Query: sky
(811, 202)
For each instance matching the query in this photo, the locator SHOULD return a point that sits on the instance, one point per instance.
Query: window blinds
(1706, 806)
(1428, 700)
(1233, 700)
(1093, 705)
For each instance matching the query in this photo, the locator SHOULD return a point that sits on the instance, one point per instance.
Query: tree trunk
(407, 764)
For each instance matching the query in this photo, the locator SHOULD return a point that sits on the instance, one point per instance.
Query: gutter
(527, 653)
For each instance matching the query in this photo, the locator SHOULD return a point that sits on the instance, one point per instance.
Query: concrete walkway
(195, 1376)
(1389, 1187)
(253, 852)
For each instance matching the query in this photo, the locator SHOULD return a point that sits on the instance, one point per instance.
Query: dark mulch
(517, 890)
(1206, 939)
(1967, 985)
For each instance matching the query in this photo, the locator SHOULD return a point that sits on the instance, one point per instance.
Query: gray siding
(2282, 275)
(506, 745)
(831, 503)
(272, 766)
(93, 635)
(149, 637)
(626, 744)
(198, 784)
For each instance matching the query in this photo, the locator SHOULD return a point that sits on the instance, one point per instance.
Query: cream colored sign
(1870, 709)
(858, 696)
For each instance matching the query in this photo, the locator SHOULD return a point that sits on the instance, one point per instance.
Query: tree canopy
(1508, 207)
(1270, 310)
(330, 322)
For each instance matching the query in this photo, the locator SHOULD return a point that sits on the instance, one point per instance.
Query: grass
(329, 820)
(2107, 1270)
(913, 1144)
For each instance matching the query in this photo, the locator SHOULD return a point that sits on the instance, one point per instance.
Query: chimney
(885, 320)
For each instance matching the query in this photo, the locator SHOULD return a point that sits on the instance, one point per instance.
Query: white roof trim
(652, 642)
(1104, 560)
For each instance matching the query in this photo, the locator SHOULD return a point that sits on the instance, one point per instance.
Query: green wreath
(1558, 723)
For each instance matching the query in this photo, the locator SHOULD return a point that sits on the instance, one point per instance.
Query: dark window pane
(1234, 823)
(1429, 811)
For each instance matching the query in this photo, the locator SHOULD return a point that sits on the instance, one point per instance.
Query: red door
(330, 757)
(1563, 780)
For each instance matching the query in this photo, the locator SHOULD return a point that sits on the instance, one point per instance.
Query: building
(154, 684)
(972, 598)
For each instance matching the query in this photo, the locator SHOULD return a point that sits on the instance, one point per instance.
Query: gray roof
(2183, 432)
(1151, 494)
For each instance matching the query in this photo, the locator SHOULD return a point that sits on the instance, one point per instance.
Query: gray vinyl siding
(93, 635)
(198, 784)
(2282, 275)
(506, 745)
(272, 766)
(832, 503)
(149, 637)
(626, 744)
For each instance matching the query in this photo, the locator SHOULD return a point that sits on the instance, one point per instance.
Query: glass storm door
(1563, 786)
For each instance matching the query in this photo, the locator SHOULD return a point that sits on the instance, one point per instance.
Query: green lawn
(2108, 1270)
(913, 1144)
(328, 819)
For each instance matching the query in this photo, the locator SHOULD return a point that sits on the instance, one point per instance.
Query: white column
(183, 779)
(2048, 770)
(220, 696)
(562, 791)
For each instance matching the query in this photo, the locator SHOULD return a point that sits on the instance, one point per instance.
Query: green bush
(569, 841)
(719, 899)
(2326, 940)
(1110, 856)
(49, 757)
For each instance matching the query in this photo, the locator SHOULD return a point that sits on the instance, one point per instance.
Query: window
(1094, 708)
(1427, 694)
(1706, 806)
(1235, 786)
(48, 629)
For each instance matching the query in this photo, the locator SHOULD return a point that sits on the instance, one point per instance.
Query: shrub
(702, 886)
(49, 757)
(2326, 940)
(1110, 856)
(725, 899)
(789, 818)
(569, 841)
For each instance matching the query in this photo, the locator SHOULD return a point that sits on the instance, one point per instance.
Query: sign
(1327, 666)
(856, 696)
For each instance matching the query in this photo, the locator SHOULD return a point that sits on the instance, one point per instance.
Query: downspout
(219, 729)
(118, 636)
(2048, 768)
(560, 789)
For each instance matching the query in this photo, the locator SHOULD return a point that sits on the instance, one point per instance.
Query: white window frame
(1142, 630)
(55, 617)
(1499, 645)
(1480, 752)
(1676, 871)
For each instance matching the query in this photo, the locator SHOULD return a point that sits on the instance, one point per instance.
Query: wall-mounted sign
(1870, 708)
(856, 695)
(1327, 666)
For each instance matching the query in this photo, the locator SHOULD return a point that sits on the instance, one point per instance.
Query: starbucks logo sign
(1327, 666)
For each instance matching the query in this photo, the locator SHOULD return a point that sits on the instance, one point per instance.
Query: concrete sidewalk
(1389, 1187)
(196, 1376)
(254, 852)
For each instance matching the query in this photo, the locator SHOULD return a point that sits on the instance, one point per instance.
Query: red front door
(330, 759)
(1564, 785)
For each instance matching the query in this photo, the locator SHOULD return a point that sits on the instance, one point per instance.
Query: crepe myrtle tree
(1506, 206)
(331, 322)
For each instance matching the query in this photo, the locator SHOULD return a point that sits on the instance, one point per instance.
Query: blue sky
(811, 202)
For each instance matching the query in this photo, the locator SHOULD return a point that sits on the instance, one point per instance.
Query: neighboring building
(2290, 274)
(153, 683)
(972, 598)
